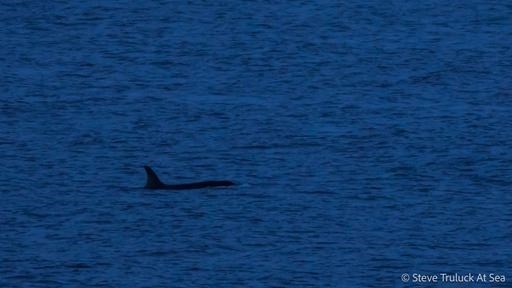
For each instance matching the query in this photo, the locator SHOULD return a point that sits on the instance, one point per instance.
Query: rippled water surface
(367, 139)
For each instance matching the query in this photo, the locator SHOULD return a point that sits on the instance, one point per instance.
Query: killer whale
(153, 182)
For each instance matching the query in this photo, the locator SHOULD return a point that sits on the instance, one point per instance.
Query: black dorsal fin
(152, 181)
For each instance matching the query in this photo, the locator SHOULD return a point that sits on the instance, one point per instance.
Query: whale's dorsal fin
(152, 181)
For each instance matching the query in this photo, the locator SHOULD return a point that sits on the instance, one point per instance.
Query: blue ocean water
(368, 139)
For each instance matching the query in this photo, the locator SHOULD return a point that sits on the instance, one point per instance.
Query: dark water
(367, 139)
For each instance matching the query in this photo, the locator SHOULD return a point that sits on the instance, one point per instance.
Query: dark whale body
(153, 182)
